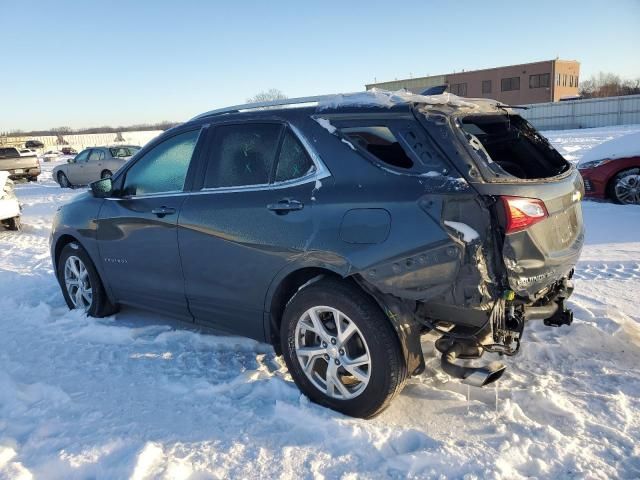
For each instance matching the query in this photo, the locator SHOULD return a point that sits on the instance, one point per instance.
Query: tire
(96, 304)
(370, 391)
(14, 224)
(106, 174)
(33, 179)
(63, 181)
(624, 188)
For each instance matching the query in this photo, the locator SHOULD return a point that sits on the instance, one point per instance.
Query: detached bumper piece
(453, 350)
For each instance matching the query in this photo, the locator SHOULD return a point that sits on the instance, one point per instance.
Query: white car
(9, 206)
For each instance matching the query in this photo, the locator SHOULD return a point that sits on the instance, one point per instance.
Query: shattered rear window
(400, 144)
(381, 143)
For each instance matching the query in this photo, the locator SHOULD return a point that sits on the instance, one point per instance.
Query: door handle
(162, 211)
(285, 206)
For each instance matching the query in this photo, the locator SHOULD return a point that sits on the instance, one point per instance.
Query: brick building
(537, 82)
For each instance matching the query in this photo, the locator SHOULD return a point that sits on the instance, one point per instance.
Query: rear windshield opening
(381, 143)
(513, 146)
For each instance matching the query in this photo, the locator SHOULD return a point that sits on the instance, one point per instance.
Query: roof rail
(273, 103)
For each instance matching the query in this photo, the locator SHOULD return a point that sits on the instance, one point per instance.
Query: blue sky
(88, 63)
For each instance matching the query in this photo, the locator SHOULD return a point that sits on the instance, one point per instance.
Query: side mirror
(102, 188)
(71, 160)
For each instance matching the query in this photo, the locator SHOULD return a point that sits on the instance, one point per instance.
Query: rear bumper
(24, 172)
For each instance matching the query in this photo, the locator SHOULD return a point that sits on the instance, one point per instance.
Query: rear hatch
(535, 196)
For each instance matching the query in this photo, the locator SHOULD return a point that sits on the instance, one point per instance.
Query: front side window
(293, 161)
(82, 156)
(96, 156)
(242, 155)
(163, 168)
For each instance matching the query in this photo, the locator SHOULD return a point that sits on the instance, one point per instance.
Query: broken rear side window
(402, 145)
(510, 146)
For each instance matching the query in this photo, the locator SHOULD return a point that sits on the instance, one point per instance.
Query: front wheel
(341, 349)
(81, 284)
(63, 181)
(625, 187)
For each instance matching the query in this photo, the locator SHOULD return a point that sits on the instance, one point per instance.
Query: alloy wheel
(627, 189)
(77, 283)
(332, 352)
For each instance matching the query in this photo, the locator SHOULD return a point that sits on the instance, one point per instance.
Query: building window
(539, 81)
(564, 80)
(508, 84)
(558, 79)
(459, 89)
(486, 86)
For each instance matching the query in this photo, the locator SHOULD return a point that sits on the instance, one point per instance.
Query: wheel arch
(282, 290)
(62, 242)
(398, 312)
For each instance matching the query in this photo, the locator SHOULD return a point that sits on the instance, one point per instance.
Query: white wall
(588, 113)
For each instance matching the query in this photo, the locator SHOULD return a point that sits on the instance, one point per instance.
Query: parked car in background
(338, 229)
(611, 170)
(19, 164)
(9, 206)
(34, 144)
(93, 164)
(51, 155)
(68, 151)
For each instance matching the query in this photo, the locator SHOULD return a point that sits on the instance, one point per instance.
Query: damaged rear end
(527, 213)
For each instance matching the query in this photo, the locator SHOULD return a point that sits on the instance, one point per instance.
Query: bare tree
(269, 95)
(608, 85)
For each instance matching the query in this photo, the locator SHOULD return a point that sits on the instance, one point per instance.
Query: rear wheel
(63, 180)
(625, 187)
(106, 174)
(341, 349)
(81, 285)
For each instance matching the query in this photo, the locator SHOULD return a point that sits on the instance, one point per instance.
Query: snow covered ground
(143, 396)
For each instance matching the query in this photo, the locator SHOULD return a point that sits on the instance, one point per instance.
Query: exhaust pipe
(476, 376)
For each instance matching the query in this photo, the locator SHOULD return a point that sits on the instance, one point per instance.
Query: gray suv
(339, 229)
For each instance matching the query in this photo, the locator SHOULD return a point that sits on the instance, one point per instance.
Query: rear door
(252, 217)
(137, 231)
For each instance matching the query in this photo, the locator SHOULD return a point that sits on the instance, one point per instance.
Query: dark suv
(339, 229)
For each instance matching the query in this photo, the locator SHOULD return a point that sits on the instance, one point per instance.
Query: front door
(251, 218)
(137, 228)
(93, 167)
(76, 167)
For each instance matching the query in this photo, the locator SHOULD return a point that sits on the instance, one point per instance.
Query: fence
(82, 141)
(588, 113)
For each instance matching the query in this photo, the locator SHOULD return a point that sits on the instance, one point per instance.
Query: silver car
(93, 164)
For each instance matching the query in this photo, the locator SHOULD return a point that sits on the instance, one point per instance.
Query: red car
(612, 170)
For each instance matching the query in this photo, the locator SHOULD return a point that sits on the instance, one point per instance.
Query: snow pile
(574, 144)
(468, 233)
(622, 147)
(140, 396)
(386, 99)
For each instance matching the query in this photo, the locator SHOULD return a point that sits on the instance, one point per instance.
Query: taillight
(523, 212)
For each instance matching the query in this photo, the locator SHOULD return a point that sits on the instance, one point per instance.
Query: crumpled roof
(386, 99)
